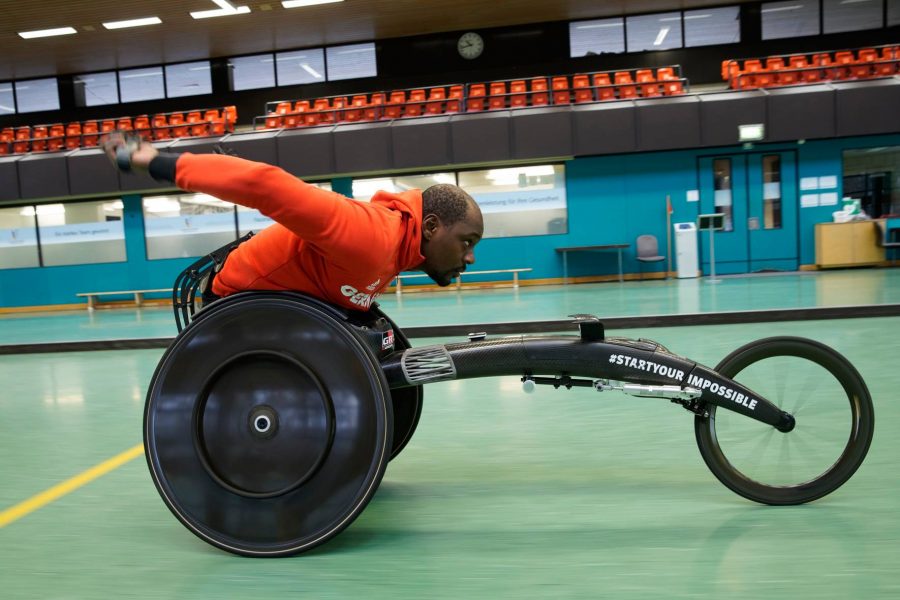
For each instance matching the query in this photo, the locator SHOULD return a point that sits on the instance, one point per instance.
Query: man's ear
(430, 225)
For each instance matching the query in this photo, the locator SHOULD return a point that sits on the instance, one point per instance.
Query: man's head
(451, 226)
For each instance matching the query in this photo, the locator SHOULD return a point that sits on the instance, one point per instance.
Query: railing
(811, 68)
(455, 98)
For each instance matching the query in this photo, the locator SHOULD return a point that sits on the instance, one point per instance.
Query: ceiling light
(226, 9)
(311, 71)
(133, 23)
(781, 8)
(299, 3)
(663, 32)
(47, 32)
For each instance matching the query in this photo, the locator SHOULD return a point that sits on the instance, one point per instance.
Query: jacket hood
(409, 204)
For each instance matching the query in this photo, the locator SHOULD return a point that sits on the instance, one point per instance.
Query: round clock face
(470, 45)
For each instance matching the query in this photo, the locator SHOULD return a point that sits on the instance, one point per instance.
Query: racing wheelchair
(272, 416)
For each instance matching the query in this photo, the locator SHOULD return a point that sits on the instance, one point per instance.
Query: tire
(834, 423)
(268, 425)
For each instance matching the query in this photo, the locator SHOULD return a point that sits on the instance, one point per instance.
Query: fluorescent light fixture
(299, 3)
(133, 23)
(663, 32)
(28, 35)
(9, 108)
(854, 1)
(226, 9)
(43, 210)
(134, 75)
(311, 71)
(752, 132)
(782, 8)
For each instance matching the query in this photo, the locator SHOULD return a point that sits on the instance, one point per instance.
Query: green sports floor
(500, 494)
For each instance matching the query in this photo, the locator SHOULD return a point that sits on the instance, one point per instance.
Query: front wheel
(834, 423)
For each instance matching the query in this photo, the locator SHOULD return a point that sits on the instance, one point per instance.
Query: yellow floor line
(59, 490)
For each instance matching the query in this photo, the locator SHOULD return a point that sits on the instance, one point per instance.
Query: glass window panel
(654, 32)
(351, 62)
(771, 166)
(302, 66)
(7, 100)
(18, 238)
(872, 176)
(601, 36)
(851, 15)
(364, 189)
(250, 219)
(789, 19)
(80, 233)
(712, 26)
(722, 190)
(37, 94)
(893, 13)
(188, 79)
(96, 89)
(141, 84)
(186, 225)
(519, 201)
(252, 72)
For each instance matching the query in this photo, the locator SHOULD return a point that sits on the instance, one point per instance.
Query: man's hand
(130, 150)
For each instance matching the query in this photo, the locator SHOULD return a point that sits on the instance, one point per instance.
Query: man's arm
(316, 215)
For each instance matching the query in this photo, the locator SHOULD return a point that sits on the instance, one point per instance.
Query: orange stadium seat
(454, 98)
(22, 143)
(604, 87)
(436, 97)
(39, 139)
(648, 85)
(497, 99)
(57, 138)
(374, 109)
(90, 135)
(475, 101)
(517, 92)
(623, 81)
(73, 136)
(415, 105)
(560, 86)
(582, 86)
(539, 94)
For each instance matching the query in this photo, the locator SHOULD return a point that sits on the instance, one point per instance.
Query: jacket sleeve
(327, 219)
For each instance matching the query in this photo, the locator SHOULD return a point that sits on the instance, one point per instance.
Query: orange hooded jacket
(323, 244)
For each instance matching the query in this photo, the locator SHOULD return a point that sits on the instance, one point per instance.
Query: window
(893, 13)
(36, 95)
(789, 19)
(81, 233)
(602, 36)
(250, 219)
(661, 31)
(96, 89)
(18, 238)
(7, 100)
(251, 72)
(188, 79)
(186, 225)
(722, 190)
(351, 62)
(142, 84)
(303, 66)
(771, 172)
(841, 15)
(519, 201)
(712, 26)
(872, 176)
(364, 189)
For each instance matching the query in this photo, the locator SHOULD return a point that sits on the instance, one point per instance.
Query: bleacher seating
(474, 97)
(54, 137)
(814, 67)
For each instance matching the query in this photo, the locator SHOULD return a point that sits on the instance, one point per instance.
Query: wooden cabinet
(847, 244)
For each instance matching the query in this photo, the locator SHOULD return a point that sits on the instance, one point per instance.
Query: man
(323, 244)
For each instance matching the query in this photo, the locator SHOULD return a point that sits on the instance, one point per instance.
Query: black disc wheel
(268, 424)
(406, 402)
(834, 423)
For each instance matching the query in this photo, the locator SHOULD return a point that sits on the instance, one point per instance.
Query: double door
(757, 193)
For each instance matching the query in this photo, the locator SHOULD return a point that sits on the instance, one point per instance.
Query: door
(757, 193)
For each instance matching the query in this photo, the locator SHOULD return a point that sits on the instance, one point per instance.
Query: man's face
(449, 250)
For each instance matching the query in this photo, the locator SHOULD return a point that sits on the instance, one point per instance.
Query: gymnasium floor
(556, 494)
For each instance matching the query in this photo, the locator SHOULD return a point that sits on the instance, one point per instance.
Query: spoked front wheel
(834, 423)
